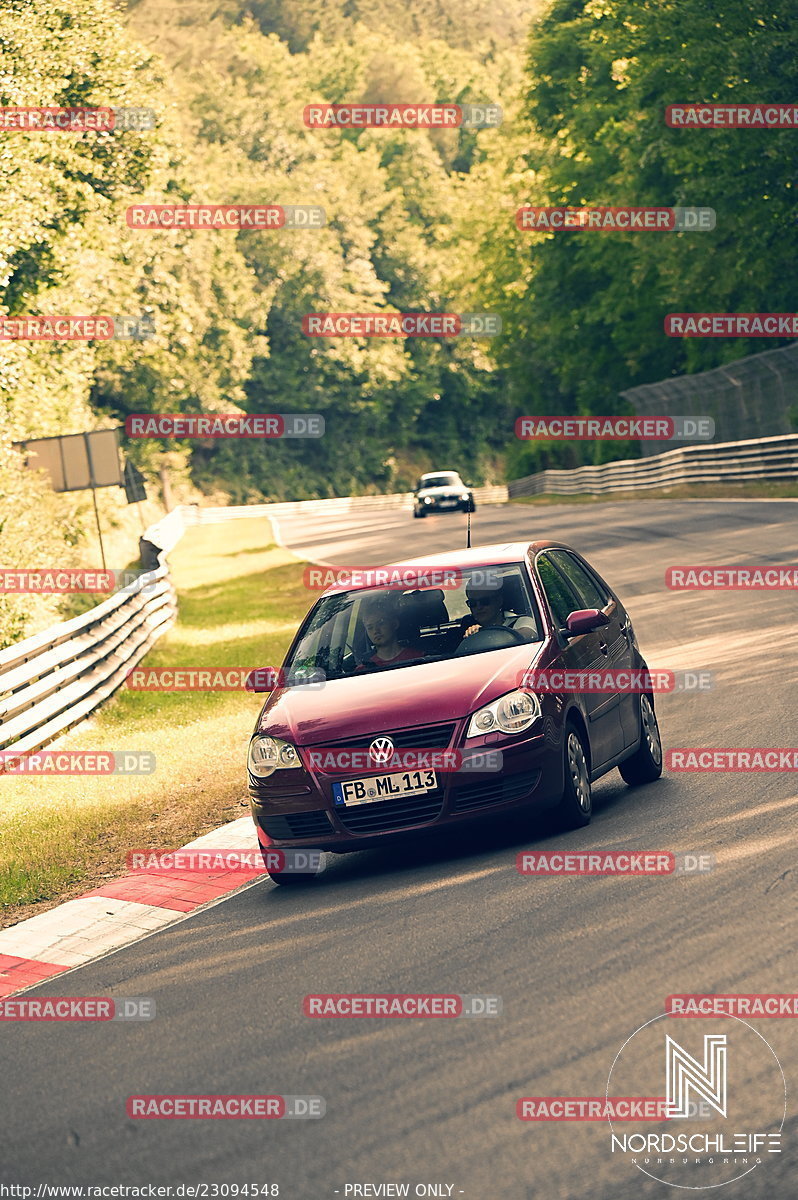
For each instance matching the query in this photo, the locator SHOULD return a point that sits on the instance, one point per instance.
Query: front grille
(392, 814)
(294, 825)
(428, 737)
(484, 792)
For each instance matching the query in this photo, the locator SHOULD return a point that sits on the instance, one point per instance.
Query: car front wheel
(576, 804)
(645, 765)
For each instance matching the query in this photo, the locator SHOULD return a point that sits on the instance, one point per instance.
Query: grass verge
(760, 489)
(240, 599)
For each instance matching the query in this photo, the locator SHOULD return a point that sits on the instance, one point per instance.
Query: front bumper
(301, 812)
(442, 504)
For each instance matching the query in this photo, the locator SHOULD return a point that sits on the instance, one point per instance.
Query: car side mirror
(585, 620)
(262, 679)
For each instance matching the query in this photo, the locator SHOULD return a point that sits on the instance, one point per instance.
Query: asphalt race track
(580, 963)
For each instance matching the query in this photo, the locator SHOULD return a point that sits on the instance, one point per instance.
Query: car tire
(645, 765)
(423, 513)
(575, 807)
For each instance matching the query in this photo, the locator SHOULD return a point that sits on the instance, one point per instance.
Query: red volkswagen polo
(432, 711)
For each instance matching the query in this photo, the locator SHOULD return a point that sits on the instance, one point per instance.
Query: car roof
(479, 556)
(443, 471)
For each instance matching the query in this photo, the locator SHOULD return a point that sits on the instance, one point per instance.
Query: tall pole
(97, 517)
(93, 486)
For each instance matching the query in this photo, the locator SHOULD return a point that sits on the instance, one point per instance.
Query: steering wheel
(476, 642)
(516, 634)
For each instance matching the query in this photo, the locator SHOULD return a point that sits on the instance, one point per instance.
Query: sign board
(77, 460)
(134, 483)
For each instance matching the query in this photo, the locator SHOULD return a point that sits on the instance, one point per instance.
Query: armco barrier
(727, 462)
(53, 680)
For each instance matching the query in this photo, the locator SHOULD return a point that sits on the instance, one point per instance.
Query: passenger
(381, 623)
(487, 608)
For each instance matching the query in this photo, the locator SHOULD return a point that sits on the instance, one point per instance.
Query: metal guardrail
(53, 680)
(726, 462)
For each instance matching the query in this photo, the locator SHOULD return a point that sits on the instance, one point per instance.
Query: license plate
(383, 787)
(447, 503)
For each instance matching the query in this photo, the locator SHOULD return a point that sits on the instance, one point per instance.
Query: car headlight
(465, 496)
(427, 499)
(510, 714)
(269, 754)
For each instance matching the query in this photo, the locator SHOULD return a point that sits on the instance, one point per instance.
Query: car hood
(395, 699)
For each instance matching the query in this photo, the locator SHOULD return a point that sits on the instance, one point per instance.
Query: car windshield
(387, 628)
(448, 480)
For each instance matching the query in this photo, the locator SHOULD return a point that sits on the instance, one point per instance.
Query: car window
(440, 481)
(388, 628)
(584, 584)
(562, 599)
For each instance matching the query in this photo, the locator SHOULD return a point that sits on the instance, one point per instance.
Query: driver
(381, 622)
(487, 608)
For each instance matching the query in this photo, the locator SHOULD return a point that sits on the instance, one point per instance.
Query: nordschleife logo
(725, 1102)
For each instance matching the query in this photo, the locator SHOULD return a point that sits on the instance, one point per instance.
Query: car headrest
(513, 597)
(422, 609)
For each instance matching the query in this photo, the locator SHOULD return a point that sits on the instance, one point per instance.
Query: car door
(616, 642)
(585, 652)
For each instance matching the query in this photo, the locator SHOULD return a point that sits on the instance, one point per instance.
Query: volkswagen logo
(381, 750)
